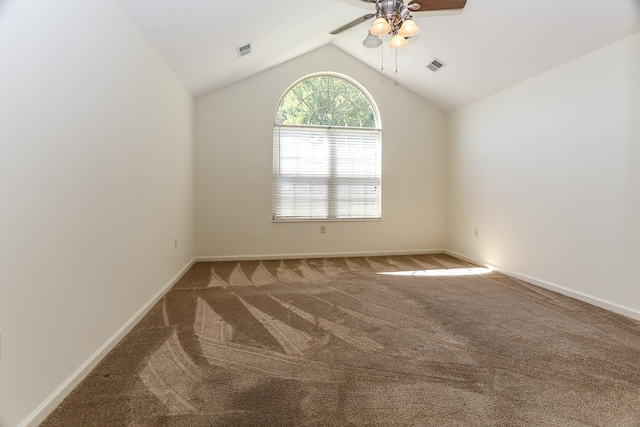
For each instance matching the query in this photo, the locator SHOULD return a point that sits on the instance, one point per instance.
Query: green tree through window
(327, 152)
(326, 100)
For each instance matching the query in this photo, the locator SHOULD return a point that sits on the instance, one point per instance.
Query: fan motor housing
(389, 9)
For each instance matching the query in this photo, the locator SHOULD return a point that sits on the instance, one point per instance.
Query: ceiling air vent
(243, 50)
(435, 65)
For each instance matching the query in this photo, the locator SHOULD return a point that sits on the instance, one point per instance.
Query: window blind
(326, 173)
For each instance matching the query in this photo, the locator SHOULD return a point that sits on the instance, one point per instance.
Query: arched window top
(327, 99)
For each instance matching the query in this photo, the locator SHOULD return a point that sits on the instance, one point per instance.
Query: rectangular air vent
(243, 50)
(435, 65)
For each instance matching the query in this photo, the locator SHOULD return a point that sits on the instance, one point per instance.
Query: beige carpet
(334, 342)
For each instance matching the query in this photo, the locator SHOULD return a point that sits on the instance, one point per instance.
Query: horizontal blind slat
(326, 173)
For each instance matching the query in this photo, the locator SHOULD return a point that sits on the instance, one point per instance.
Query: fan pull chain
(382, 58)
(396, 61)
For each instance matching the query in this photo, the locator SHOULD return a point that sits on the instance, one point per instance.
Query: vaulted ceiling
(490, 45)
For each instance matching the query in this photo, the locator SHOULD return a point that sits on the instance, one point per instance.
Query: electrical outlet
(323, 229)
(175, 243)
(476, 232)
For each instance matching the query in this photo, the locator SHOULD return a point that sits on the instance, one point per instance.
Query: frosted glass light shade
(372, 41)
(379, 27)
(409, 28)
(398, 42)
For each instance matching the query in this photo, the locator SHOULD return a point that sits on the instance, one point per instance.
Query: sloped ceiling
(490, 45)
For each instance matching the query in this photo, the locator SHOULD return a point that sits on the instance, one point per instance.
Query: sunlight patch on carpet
(473, 271)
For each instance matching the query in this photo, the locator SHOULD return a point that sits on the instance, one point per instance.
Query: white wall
(548, 171)
(96, 180)
(234, 139)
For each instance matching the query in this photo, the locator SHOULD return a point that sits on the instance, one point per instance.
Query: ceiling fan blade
(353, 23)
(427, 5)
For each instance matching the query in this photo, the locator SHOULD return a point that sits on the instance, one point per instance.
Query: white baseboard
(52, 402)
(598, 302)
(315, 255)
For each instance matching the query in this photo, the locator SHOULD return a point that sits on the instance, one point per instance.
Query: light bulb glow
(409, 28)
(379, 27)
(398, 42)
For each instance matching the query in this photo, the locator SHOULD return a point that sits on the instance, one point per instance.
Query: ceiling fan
(394, 17)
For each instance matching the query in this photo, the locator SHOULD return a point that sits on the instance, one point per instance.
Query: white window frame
(328, 179)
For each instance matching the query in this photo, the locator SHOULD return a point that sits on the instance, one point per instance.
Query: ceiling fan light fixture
(398, 42)
(380, 27)
(372, 41)
(409, 28)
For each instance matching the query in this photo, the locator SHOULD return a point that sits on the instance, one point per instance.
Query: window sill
(283, 221)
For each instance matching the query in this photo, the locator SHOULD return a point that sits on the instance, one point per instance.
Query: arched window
(326, 151)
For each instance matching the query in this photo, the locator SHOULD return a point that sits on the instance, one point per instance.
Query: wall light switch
(323, 229)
